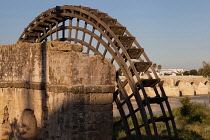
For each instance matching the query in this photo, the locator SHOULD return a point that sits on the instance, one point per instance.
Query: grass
(192, 121)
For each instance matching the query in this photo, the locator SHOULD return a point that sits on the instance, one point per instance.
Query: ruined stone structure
(54, 91)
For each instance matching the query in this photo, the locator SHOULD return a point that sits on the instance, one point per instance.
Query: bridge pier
(54, 91)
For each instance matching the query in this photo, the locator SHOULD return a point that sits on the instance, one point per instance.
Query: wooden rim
(108, 38)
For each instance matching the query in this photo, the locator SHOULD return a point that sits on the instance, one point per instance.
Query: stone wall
(54, 91)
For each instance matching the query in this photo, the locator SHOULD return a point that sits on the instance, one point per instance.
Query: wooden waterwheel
(103, 35)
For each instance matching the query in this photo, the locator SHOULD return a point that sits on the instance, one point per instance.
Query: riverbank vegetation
(192, 121)
(205, 70)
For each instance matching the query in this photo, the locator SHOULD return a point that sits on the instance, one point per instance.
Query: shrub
(190, 135)
(191, 112)
(191, 120)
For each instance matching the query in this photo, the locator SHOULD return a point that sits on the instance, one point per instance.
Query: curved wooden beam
(131, 60)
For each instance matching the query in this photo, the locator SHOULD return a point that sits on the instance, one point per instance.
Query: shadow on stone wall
(26, 127)
(63, 115)
(27, 130)
(76, 121)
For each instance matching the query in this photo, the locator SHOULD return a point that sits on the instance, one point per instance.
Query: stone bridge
(181, 86)
(185, 85)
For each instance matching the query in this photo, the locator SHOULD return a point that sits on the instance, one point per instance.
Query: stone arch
(177, 83)
(170, 87)
(29, 129)
(195, 86)
(185, 88)
(166, 86)
(207, 83)
(192, 83)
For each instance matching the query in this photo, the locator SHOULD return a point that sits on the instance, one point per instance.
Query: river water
(174, 103)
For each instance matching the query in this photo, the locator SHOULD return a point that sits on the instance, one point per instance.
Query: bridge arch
(102, 35)
(207, 83)
(177, 83)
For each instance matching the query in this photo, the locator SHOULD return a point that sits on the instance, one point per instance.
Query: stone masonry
(177, 86)
(54, 91)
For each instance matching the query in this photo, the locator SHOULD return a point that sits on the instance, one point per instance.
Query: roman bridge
(186, 85)
(181, 86)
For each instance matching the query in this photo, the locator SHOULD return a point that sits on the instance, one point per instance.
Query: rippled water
(174, 102)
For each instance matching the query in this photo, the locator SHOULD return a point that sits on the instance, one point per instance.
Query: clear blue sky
(174, 33)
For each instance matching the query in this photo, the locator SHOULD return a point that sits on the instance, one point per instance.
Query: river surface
(173, 101)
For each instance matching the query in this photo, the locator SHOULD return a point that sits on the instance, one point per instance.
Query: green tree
(159, 67)
(154, 65)
(205, 71)
(186, 73)
(193, 72)
(200, 71)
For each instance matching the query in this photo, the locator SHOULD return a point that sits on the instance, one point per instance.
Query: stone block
(201, 89)
(101, 98)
